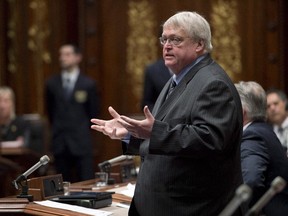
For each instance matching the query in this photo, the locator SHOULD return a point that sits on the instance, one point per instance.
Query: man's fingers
(97, 128)
(124, 120)
(147, 112)
(113, 112)
(98, 121)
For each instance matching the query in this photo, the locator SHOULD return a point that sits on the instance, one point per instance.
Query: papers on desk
(73, 208)
(128, 190)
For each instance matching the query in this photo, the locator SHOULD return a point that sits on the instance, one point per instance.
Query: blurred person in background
(156, 76)
(72, 99)
(14, 130)
(277, 114)
(262, 156)
(14, 133)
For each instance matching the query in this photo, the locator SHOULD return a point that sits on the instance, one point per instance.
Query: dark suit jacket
(156, 76)
(70, 119)
(15, 129)
(191, 163)
(263, 159)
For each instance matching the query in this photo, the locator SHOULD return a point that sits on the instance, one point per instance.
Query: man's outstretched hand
(119, 126)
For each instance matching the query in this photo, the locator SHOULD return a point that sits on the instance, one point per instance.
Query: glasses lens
(162, 40)
(175, 41)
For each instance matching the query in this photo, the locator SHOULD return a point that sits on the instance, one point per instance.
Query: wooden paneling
(261, 43)
(101, 28)
(283, 15)
(3, 44)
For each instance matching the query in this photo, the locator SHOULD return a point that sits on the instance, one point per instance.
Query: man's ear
(200, 46)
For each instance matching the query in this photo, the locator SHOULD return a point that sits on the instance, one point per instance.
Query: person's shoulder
(262, 129)
(156, 65)
(259, 125)
(19, 121)
(84, 78)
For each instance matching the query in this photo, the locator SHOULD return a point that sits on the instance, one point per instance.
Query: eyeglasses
(175, 41)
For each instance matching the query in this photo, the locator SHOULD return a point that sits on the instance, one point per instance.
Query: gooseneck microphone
(277, 185)
(106, 165)
(242, 194)
(43, 161)
(113, 161)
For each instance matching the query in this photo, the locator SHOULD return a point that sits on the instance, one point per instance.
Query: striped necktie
(171, 88)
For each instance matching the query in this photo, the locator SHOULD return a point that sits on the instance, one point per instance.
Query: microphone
(277, 185)
(43, 161)
(113, 161)
(106, 165)
(242, 194)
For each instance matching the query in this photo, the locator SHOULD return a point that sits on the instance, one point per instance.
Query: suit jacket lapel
(162, 106)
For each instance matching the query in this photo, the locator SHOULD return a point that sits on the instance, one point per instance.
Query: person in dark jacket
(156, 76)
(190, 143)
(262, 155)
(13, 129)
(72, 99)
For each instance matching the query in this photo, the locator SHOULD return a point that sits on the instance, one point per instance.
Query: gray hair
(253, 99)
(5, 90)
(194, 25)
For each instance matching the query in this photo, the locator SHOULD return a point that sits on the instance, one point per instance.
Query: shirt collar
(246, 126)
(283, 125)
(72, 75)
(185, 70)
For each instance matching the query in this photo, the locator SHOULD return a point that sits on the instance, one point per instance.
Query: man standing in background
(72, 100)
(156, 76)
(277, 114)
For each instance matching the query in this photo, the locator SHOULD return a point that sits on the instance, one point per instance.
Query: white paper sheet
(73, 208)
(129, 190)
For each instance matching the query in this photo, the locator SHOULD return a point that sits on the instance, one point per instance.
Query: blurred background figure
(277, 114)
(72, 100)
(156, 76)
(262, 156)
(14, 134)
(14, 130)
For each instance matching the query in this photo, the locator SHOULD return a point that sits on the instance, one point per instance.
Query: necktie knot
(171, 88)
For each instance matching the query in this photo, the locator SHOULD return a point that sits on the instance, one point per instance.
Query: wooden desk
(16, 151)
(19, 207)
(89, 185)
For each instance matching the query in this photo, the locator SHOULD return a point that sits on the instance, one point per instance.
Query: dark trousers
(74, 168)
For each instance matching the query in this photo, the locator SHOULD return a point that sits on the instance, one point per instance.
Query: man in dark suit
(277, 114)
(190, 144)
(262, 156)
(72, 99)
(156, 76)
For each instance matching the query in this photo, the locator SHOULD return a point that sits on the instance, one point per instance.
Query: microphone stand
(106, 167)
(24, 188)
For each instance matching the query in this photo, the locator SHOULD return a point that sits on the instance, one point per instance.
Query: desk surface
(18, 151)
(23, 207)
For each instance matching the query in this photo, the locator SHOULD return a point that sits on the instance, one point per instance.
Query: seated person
(262, 156)
(13, 129)
(277, 115)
